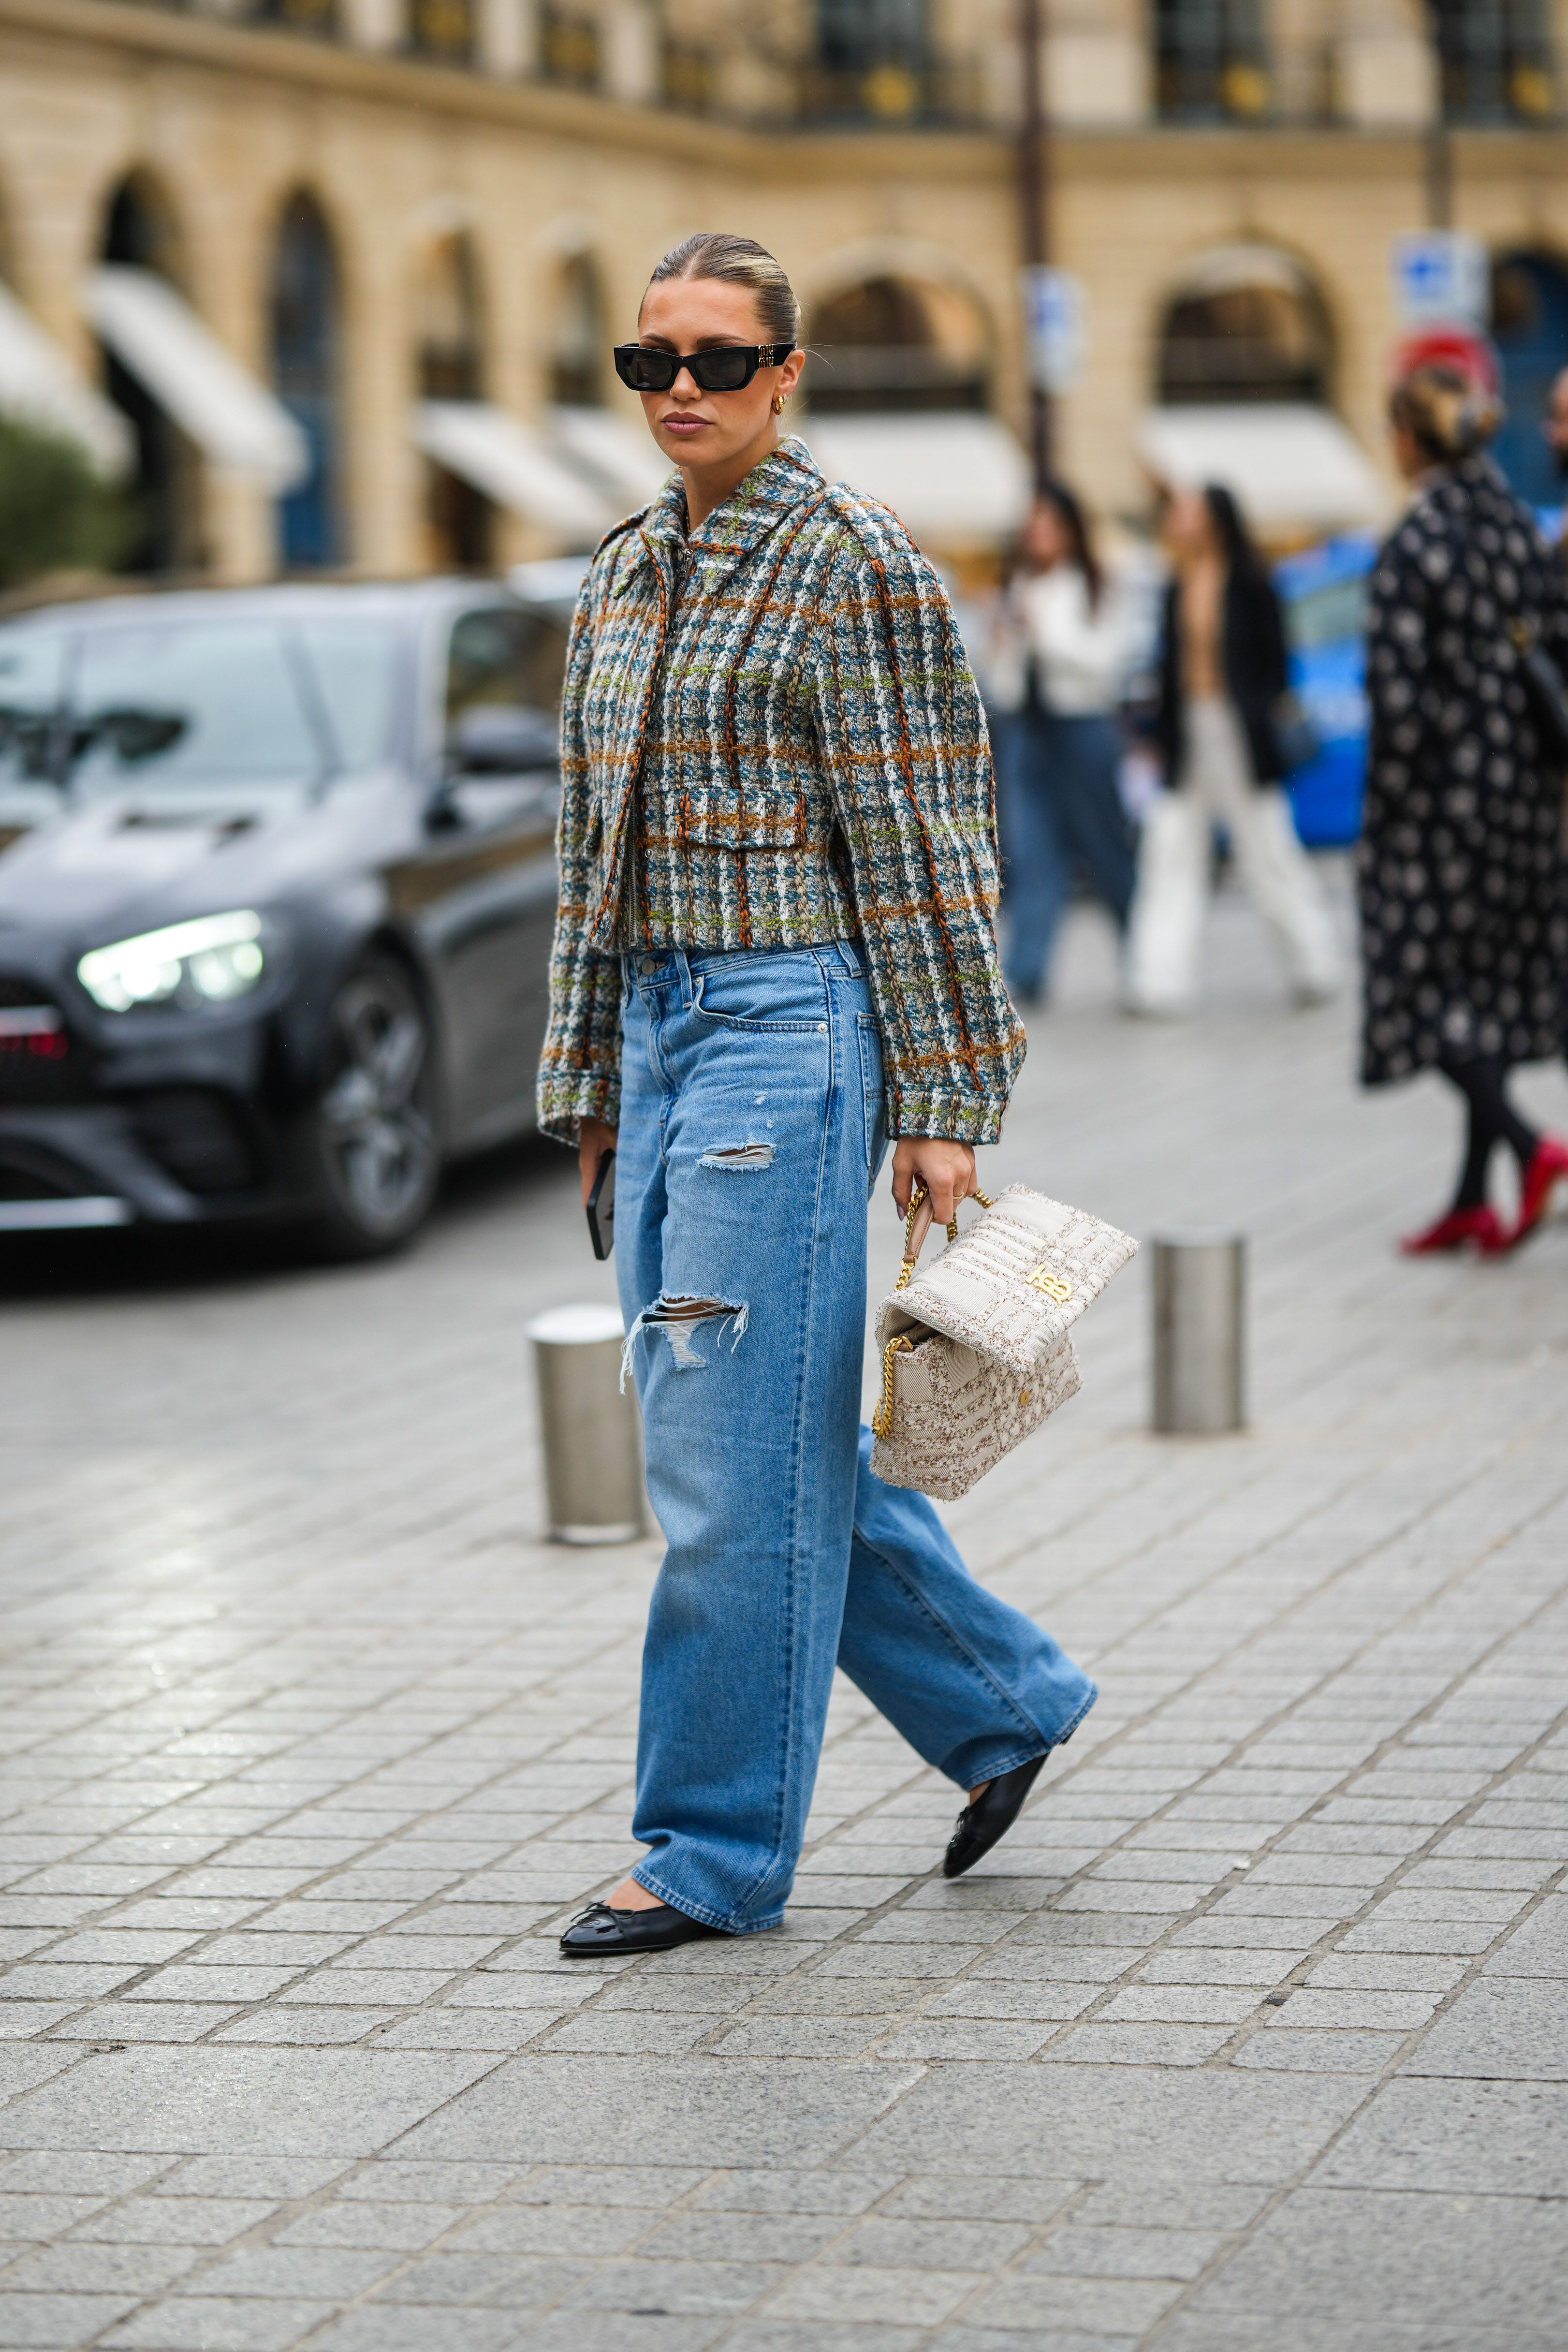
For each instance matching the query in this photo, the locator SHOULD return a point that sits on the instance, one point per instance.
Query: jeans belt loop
(689, 988)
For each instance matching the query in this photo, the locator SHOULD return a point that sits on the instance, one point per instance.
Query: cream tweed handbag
(975, 1351)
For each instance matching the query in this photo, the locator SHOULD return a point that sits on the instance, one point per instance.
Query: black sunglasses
(728, 367)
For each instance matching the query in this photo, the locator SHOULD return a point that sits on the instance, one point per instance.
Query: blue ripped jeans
(751, 1130)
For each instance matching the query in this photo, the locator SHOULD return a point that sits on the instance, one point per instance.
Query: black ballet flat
(991, 1815)
(600, 1933)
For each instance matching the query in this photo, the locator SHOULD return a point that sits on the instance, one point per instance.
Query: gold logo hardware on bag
(977, 1350)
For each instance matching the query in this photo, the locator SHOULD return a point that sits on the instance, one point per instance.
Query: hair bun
(1449, 414)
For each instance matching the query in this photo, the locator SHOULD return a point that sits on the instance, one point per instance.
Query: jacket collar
(784, 479)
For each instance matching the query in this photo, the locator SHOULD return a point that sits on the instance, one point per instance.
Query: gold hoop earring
(777, 404)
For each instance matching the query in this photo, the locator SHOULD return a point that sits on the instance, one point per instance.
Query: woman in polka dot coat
(1463, 900)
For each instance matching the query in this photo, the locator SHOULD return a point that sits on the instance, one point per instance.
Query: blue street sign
(1441, 278)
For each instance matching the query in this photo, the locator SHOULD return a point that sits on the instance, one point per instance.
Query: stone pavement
(1251, 2035)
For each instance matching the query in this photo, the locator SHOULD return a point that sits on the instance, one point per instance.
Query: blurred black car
(276, 889)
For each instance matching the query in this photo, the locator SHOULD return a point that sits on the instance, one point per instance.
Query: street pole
(1440, 142)
(1032, 167)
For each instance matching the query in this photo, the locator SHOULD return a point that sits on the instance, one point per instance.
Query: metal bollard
(1200, 1289)
(592, 1437)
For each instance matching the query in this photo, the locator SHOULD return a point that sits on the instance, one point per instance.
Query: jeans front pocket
(780, 990)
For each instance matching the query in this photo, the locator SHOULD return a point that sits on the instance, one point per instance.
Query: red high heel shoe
(1454, 1229)
(1546, 1168)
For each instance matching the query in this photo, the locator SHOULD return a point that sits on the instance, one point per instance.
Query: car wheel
(376, 1129)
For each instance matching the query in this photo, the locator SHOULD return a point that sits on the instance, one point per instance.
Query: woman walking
(773, 951)
(1057, 756)
(1222, 672)
(1464, 918)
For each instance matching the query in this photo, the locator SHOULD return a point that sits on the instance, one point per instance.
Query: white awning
(39, 384)
(952, 477)
(512, 463)
(1285, 463)
(614, 452)
(157, 336)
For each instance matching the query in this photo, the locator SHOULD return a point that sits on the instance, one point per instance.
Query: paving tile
(561, 2109)
(784, 2191)
(42, 2321)
(1490, 2262)
(1342, 2051)
(1498, 2026)
(1474, 2138)
(890, 2297)
(1093, 2045)
(207, 2099)
(1100, 2307)
(1539, 1945)
(193, 2325)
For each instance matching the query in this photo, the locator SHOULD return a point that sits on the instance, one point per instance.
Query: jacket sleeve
(909, 769)
(580, 1068)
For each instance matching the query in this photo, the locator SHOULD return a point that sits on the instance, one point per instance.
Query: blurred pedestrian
(1222, 682)
(775, 950)
(1059, 812)
(1464, 917)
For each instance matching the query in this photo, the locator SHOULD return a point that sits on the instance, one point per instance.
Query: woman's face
(708, 428)
(1188, 526)
(1045, 539)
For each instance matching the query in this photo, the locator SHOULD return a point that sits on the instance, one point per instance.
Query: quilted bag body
(977, 1349)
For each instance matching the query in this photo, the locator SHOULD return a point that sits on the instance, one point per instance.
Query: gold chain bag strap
(977, 1352)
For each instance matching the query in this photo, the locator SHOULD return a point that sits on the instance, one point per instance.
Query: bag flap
(1015, 1283)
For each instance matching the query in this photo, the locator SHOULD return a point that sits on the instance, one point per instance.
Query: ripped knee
(677, 1315)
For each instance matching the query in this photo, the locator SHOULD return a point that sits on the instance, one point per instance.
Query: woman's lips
(677, 423)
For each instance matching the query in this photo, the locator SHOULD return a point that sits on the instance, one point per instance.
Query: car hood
(128, 863)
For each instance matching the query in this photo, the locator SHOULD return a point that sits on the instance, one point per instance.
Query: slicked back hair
(738, 261)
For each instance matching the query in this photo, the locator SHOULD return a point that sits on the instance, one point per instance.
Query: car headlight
(210, 961)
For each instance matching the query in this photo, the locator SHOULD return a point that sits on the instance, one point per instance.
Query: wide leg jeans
(751, 1130)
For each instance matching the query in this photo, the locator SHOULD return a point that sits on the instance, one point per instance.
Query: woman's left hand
(945, 1169)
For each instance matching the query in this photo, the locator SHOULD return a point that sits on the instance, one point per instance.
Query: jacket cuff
(953, 1118)
(564, 1098)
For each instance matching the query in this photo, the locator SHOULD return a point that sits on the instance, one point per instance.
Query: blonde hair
(738, 261)
(1446, 413)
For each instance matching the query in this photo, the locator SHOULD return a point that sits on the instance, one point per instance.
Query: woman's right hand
(595, 1137)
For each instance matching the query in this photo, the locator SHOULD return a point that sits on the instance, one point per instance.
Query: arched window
(1530, 327)
(1211, 59)
(449, 364)
(139, 232)
(895, 343)
(306, 365)
(1497, 60)
(577, 346)
(1245, 324)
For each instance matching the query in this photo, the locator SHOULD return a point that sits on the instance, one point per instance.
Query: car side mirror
(503, 738)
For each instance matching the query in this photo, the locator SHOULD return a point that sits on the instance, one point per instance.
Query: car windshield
(32, 673)
(212, 704)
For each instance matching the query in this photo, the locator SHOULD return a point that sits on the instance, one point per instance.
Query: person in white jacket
(1058, 747)
(1223, 690)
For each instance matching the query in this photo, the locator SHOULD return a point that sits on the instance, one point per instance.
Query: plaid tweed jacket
(771, 738)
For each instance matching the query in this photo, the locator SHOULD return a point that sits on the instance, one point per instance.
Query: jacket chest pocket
(738, 764)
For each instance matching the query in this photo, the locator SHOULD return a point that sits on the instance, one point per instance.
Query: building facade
(395, 215)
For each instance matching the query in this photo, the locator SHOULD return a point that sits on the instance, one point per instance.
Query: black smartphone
(601, 1208)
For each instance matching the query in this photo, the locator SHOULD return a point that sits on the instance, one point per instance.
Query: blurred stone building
(345, 272)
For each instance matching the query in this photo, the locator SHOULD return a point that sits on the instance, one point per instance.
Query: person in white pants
(1222, 676)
